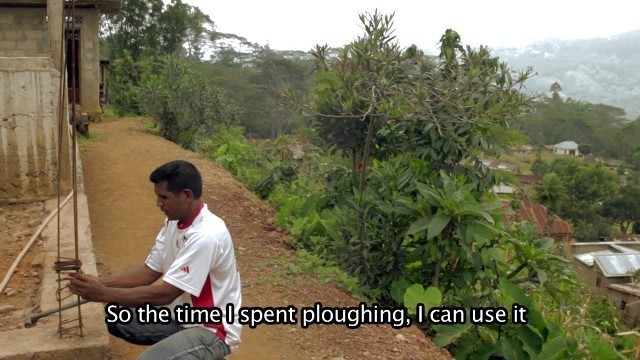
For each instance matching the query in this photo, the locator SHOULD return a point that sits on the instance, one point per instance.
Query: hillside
(599, 70)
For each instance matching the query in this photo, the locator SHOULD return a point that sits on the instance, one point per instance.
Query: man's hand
(87, 286)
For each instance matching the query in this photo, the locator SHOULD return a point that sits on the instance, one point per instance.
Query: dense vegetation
(590, 196)
(373, 167)
(599, 129)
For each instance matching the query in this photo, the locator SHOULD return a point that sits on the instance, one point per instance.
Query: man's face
(173, 206)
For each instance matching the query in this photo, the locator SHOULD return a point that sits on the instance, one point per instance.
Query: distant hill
(599, 70)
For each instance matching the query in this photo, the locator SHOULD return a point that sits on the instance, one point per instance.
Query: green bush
(186, 106)
(228, 147)
(604, 315)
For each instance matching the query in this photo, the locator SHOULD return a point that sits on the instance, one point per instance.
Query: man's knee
(120, 331)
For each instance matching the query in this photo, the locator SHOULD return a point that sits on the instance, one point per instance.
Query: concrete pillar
(90, 62)
(54, 12)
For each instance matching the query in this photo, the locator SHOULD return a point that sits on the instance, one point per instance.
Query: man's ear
(188, 193)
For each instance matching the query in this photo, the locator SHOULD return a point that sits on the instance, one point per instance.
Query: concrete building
(608, 269)
(32, 49)
(566, 148)
(498, 165)
(627, 298)
(503, 189)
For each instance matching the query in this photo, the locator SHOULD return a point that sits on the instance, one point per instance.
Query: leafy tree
(133, 29)
(575, 192)
(624, 208)
(257, 89)
(419, 225)
(539, 167)
(144, 29)
(591, 230)
(377, 99)
(172, 28)
(149, 28)
(186, 107)
(200, 33)
(274, 74)
(586, 189)
(555, 91)
(584, 149)
(124, 76)
(552, 193)
(634, 159)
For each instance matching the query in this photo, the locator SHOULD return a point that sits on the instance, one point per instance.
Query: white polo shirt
(198, 258)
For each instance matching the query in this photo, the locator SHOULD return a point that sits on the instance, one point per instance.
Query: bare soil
(124, 222)
(18, 224)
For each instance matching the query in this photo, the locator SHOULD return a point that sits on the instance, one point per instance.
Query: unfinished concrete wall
(588, 276)
(54, 12)
(23, 32)
(28, 129)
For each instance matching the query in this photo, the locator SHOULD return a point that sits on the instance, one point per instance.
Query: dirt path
(125, 221)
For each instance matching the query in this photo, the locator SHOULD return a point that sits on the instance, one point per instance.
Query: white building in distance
(566, 148)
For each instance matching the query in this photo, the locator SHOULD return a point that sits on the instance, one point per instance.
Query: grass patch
(309, 264)
(524, 161)
(109, 111)
(93, 135)
(149, 124)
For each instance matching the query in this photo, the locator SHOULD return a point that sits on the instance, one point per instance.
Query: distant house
(607, 268)
(503, 189)
(521, 149)
(498, 165)
(547, 223)
(627, 298)
(566, 148)
(529, 179)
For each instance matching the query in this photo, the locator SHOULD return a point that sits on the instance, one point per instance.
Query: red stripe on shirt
(205, 300)
(188, 223)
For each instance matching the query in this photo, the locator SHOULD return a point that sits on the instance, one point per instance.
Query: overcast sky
(300, 24)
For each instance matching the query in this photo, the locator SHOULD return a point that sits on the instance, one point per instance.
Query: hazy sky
(300, 24)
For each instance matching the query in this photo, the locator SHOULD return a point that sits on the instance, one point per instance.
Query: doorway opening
(73, 65)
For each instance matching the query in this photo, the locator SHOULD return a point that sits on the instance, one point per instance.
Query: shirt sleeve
(190, 269)
(154, 260)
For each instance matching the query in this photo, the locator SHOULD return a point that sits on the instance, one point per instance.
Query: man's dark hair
(179, 175)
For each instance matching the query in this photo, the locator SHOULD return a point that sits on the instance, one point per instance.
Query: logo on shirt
(178, 242)
(185, 269)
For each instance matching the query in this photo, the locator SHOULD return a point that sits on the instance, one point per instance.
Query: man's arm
(93, 289)
(138, 275)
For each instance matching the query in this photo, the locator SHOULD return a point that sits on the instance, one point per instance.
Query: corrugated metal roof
(546, 222)
(503, 189)
(529, 179)
(625, 249)
(497, 165)
(587, 258)
(567, 145)
(616, 265)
